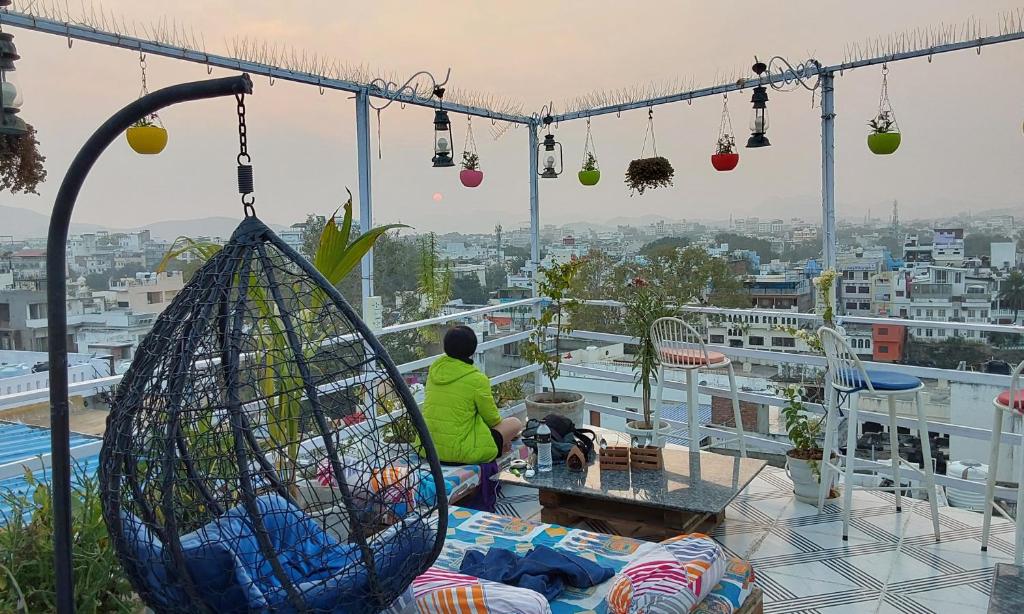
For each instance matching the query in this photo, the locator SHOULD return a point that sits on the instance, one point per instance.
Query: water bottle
(543, 447)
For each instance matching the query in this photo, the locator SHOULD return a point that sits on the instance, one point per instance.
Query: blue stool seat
(884, 380)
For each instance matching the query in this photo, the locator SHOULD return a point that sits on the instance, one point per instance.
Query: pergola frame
(363, 94)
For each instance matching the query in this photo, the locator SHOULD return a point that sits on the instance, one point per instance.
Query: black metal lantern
(442, 134)
(10, 92)
(759, 113)
(549, 154)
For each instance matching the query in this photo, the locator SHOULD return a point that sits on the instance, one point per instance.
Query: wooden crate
(613, 458)
(646, 458)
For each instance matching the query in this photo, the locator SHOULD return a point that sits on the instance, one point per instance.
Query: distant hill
(23, 223)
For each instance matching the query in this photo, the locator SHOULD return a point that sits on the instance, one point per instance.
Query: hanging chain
(589, 146)
(725, 127)
(884, 106)
(245, 181)
(650, 132)
(142, 66)
(470, 144)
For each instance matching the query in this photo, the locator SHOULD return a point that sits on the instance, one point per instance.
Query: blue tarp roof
(679, 413)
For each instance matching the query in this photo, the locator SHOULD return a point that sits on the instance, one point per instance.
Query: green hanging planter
(883, 143)
(590, 177)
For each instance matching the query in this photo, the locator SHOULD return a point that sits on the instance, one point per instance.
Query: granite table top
(1007, 589)
(704, 482)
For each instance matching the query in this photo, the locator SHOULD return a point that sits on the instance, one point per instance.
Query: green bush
(27, 579)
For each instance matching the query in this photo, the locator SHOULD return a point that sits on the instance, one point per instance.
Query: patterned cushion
(448, 592)
(1018, 402)
(675, 577)
(679, 356)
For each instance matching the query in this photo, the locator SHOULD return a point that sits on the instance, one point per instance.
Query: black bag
(564, 437)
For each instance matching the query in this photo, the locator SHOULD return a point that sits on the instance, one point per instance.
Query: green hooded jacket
(459, 411)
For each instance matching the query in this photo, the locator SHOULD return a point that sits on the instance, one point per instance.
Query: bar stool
(1015, 409)
(846, 374)
(680, 345)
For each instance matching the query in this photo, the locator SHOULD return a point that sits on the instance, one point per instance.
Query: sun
(438, 197)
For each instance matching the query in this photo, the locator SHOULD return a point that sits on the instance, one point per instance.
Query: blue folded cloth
(542, 569)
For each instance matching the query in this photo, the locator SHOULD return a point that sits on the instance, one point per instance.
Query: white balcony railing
(93, 386)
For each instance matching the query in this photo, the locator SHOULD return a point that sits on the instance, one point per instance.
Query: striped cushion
(674, 577)
(448, 592)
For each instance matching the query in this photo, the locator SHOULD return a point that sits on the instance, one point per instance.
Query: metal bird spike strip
(261, 450)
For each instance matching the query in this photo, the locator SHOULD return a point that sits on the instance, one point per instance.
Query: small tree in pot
(649, 173)
(644, 303)
(803, 461)
(554, 283)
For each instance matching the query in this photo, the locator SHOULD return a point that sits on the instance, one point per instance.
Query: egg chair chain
(245, 182)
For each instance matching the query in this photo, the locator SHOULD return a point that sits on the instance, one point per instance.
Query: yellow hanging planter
(147, 138)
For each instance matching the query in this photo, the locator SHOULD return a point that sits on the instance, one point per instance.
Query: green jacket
(459, 411)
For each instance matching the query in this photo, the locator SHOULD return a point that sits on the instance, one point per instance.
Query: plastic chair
(846, 374)
(1011, 402)
(680, 345)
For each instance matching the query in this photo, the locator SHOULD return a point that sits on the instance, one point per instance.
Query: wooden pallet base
(626, 518)
(613, 458)
(646, 459)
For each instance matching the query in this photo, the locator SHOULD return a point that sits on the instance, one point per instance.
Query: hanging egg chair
(261, 451)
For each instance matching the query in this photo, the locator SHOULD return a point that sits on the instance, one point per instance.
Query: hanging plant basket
(646, 173)
(147, 138)
(590, 171)
(725, 157)
(885, 132)
(471, 176)
(649, 173)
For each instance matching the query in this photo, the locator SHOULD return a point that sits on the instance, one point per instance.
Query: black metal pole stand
(56, 297)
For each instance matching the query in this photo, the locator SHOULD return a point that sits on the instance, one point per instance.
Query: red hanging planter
(471, 178)
(725, 161)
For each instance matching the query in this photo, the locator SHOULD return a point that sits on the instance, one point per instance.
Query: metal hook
(70, 40)
(320, 85)
(209, 69)
(271, 75)
(979, 46)
(618, 112)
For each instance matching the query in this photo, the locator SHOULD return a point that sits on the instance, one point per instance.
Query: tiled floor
(890, 564)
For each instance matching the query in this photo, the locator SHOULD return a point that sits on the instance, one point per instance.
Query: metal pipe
(828, 172)
(365, 190)
(534, 207)
(56, 297)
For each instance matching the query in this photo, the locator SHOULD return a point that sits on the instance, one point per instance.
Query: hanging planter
(725, 157)
(471, 176)
(148, 135)
(885, 132)
(590, 172)
(649, 173)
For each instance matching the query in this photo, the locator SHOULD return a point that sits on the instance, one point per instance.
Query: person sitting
(459, 411)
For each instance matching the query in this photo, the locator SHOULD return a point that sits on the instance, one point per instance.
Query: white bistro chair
(846, 375)
(680, 345)
(1010, 402)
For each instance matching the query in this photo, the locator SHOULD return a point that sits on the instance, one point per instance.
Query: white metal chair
(1011, 402)
(680, 345)
(846, 374)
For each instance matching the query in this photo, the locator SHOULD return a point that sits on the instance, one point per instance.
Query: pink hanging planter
(471, 178)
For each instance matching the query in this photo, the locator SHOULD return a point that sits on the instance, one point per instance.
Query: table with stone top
(689, 494)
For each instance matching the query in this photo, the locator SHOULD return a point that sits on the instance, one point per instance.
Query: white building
(1003, 255)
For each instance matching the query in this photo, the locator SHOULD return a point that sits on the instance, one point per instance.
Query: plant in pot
(803, 461)
(147, 136)
(885, 133)
(21, 164)
(644, 303)
(553, 283)
(589, 174)
(725, 157)
(471, 176)
(649, 173)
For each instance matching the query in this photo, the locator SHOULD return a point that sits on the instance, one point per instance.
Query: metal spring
(245, 183)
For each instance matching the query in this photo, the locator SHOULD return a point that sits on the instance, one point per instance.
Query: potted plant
(21, 164)
(147, 136)
(470, 175)
(644, 303)
(803, 461)
(589, 174)
(649, 173)
(885, 137)
(554, 283)
(725, 157)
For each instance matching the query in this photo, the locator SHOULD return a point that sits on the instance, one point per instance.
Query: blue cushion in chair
(883, 380)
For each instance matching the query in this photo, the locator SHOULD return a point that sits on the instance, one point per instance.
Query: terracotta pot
(147, 139)
(470, 178)
(725, 162)
(883, 143)
(589, 177)
(568, 404)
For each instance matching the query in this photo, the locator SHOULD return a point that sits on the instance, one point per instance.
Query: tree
(664, 247)
(976, 244)
(763, 247)
(311, 231)
(1011, 293)
(497, 277)
(97, 281)
(468, 288)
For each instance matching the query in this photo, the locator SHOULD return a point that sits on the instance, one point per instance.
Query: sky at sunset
(960, 115)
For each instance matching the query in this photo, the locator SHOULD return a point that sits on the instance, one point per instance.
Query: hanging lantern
(442, 134)
(549, 154)
(10, 92)
(759, 113)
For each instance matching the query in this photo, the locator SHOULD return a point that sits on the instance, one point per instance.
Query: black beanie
(460, 343)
